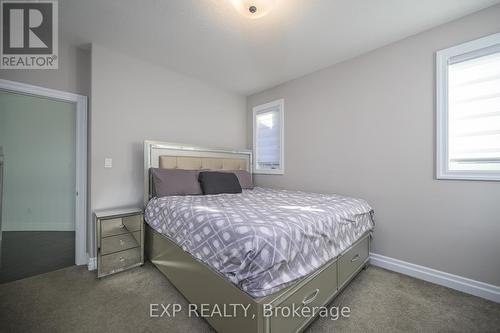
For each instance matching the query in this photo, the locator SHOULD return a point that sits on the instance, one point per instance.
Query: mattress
(263, 239)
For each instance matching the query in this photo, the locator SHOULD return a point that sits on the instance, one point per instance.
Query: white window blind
(468, 110)
(474, 113)
(268, 137)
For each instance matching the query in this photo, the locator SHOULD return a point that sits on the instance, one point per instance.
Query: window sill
(269, 172)
(450, 175)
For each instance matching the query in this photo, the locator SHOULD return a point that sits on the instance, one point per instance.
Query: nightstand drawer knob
(122, 243)
(122, 259)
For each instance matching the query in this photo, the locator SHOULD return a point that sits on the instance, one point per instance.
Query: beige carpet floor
(73, 300)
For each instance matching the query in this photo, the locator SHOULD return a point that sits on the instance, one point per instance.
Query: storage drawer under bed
(352, 260)
(314, 293)
(321, 288)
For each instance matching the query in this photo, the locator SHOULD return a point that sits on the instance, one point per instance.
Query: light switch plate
(108, 162)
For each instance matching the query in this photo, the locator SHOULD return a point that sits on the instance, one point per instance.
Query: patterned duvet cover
(262, 239)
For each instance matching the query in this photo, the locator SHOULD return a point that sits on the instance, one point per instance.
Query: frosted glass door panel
(38, 139)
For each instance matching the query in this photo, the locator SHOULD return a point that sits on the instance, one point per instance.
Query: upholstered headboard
(180, 156)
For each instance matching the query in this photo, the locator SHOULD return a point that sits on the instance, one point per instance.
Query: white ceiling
(210, 40)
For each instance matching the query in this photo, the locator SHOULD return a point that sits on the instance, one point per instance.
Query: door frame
(81, 257)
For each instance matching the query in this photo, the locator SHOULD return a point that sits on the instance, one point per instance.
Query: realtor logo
(29, 37)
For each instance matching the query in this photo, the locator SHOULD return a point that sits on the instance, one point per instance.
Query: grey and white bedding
(262, 239)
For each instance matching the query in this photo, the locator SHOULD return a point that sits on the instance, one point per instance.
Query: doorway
(42, 181)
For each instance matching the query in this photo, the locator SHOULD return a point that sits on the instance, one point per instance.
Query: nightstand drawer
(117, 226)
(120, 242)
(118, 261)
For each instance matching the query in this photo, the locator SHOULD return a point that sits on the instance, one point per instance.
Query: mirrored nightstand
(120, 240)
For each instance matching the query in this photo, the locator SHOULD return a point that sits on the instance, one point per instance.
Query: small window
(268, 138)
(468, 110)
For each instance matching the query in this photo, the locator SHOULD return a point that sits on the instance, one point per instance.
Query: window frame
(260, 109)
(465, 51)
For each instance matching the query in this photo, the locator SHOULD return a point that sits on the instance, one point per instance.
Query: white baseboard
(92, 265)
(468, 286)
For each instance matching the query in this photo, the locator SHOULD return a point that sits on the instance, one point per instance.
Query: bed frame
(201, 285)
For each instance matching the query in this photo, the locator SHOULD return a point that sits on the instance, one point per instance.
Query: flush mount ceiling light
(254, 8)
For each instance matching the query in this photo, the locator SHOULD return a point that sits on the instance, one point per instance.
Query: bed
(264, 248)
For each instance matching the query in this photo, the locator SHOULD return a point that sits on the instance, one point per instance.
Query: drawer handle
(311, 297)
(355, 258)
(122, 243)
(122, 259)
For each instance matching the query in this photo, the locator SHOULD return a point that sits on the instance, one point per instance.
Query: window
(268, 138)
(468, 110)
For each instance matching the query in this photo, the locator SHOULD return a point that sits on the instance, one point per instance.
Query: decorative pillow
(168, 182)
(244, 178)
(219, 182)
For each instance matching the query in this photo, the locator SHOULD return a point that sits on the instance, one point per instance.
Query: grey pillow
(244, 178)
(167, 182)
(219, 182)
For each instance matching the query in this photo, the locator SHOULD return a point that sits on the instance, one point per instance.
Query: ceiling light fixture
(254, 8)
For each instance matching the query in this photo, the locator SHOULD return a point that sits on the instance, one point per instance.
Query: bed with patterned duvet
(263, 239)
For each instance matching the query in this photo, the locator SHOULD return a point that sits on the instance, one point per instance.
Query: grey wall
(133, 101)
(365, 128)
(73, 74)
